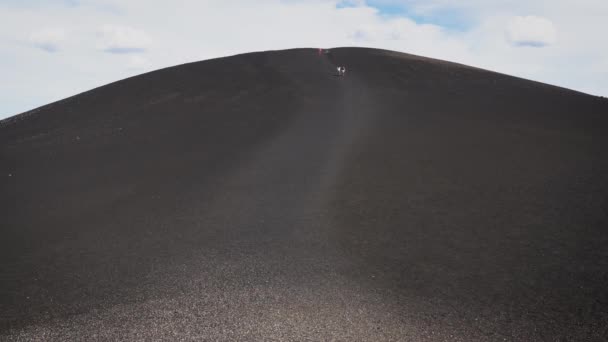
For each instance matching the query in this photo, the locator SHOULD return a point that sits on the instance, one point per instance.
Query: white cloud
(48, 39)
(395, 29)
(138, 62)
(531, 31)
(123, 39)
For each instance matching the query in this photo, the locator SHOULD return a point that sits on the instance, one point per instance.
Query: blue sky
(53, 49)
(449, 17)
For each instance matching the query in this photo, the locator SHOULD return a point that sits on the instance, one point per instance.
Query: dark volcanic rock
(260, 197)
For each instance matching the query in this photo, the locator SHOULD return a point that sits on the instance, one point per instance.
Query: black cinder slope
(261, 197)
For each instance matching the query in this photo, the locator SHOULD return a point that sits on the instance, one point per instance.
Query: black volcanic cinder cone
(259, 197)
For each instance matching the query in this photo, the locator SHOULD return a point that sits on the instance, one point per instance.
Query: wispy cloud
(48, 39)
(531, 31)
(123, 39)
(137, 62)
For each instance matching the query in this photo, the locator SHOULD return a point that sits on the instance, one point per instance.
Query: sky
(53, 49)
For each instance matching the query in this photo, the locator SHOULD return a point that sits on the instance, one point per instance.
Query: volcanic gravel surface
(262, 197)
